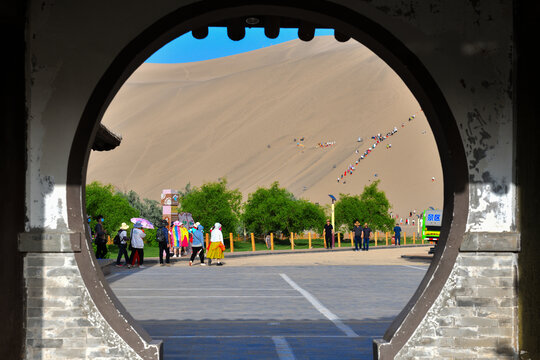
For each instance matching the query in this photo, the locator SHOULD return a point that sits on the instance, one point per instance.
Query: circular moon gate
(359, 27)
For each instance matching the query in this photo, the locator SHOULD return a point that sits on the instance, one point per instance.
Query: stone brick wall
(62, 319)
(475, 315)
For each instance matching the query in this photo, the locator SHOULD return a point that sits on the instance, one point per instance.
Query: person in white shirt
(216, 248)
(122, 245)
(137, 244)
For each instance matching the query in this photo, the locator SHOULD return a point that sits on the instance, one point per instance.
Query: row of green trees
(118, 207)
(272, 209)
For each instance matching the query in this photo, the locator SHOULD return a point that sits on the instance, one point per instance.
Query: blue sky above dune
(217, 44)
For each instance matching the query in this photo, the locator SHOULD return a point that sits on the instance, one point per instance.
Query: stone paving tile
(328, 348)
(233, 313)
(309, 328)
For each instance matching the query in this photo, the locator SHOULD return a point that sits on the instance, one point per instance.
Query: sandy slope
(236, 117)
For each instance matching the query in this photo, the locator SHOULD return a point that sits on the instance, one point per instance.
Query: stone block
(495, 292)
(510, 282)
(491, 242)
(79, 343)
(38, 323)
(39, 260)
(64, 271)
(471, 301)
(46, 241)
(476, 322)
(477, 261)
(495, 332)
(495, 312)
(82, 322)
(44, 343)
(504, 272)
(456, 311)
(42, 302)
(63, 291)
(73, 333)
(456, 332)
(508, 302)
(70, 353)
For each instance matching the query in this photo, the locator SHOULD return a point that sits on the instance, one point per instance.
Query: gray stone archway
(457, 60)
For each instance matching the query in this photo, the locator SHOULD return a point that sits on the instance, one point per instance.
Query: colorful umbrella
(145, 223)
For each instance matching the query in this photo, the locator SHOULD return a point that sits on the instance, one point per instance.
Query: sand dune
(236, 117)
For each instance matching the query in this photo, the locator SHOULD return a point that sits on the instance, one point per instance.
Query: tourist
(122, 244)
(89, 228)
(216, 248)
(397, 235)
(175, 238)
(184, 240)
(162, 238)
(366, 232)
(328, 234)
(357, 235)
(198, 244)
(268, 241)
(101, 241)
(137, 244)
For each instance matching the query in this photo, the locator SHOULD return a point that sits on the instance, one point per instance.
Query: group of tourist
(378, 139)
(361, 235)
(173, 240)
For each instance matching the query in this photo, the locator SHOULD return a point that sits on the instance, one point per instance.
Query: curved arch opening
(368, 33)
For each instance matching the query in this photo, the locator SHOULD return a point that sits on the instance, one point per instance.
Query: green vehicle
(431, 226)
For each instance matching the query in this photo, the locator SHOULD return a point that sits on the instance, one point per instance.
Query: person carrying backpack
(162, 237)
(121, 240)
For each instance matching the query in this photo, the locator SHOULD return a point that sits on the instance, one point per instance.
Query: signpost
(333, 222)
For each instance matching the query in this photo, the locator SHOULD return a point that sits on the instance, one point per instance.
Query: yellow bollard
(339, 239)
(309, 239)
(207, 240)
(232, 241)
(404, 238)
(414, 238)
(351, 236)
(292, 241)
(376, 237)
(252, 242)
(271, 241)
(387, 238)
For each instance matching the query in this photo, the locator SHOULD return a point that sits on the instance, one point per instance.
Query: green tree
(268, 210)
(275, 209)
(148, 209)
(370, 207)
(348, 209)
(377, 208)
(212, 203)
(312, 216)
(103, 200)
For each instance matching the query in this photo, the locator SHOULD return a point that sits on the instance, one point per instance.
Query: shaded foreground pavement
(271, 312)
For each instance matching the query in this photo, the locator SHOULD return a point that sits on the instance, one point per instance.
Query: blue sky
(217, 44)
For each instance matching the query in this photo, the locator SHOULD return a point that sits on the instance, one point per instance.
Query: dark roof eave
(105, 139)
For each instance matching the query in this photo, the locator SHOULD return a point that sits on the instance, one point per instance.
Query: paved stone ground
(271, 312)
